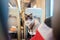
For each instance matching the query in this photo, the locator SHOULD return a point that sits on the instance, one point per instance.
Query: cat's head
(28, 19)
(28, 16)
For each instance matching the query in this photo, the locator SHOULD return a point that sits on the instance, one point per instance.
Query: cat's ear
(25, 14)
(31, 14)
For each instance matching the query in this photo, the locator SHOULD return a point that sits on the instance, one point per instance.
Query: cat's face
(28, 19)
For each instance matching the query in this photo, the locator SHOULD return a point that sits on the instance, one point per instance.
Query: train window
(49, 8)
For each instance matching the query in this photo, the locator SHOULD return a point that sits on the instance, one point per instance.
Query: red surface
(37, 36)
